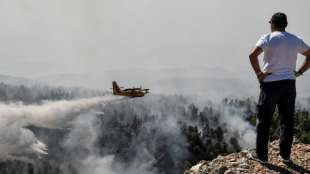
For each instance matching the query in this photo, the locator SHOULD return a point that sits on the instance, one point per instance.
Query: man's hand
(297, 73)
(305, 66)
(262, 75)
(255, 64)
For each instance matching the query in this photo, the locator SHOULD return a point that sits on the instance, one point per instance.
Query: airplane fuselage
(129, 92)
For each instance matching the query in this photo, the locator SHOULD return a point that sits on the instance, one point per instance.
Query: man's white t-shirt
(280, 54)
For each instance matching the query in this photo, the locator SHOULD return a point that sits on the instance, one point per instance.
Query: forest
(158, 134)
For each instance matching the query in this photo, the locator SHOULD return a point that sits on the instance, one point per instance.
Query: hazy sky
(41, 37)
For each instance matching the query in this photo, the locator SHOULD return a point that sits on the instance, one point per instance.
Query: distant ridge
(12, 80)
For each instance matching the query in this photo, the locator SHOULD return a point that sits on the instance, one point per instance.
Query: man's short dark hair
(279, 20)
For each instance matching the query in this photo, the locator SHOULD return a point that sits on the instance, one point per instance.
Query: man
(277, 83)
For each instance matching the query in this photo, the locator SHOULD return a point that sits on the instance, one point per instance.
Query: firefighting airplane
(129, 92)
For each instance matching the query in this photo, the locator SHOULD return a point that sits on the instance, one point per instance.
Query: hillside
(239, 163)
(16, 80)
(156, 134)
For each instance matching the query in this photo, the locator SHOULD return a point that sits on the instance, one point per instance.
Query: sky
(42, 38)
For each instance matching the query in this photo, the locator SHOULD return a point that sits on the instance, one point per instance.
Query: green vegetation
(301, 122)
(169, 133)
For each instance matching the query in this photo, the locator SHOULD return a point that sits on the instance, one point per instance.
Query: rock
(229, 172)
(238, 163)
(232, 160)
(222, 170)
(244, 166)
(244, 153)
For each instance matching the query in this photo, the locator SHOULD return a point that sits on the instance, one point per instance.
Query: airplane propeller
(146, 90)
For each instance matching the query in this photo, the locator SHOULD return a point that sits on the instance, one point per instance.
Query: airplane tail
(116, 88)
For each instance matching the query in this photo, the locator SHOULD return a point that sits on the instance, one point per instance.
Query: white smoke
(84, 155)
(235, 122)
(97, 165)
(85, 133)
(17, 140)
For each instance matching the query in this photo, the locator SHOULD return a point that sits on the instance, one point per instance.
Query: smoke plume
(156, 134)
(16, 139)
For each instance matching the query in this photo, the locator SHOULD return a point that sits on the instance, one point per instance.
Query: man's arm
(255, 63)
(306, 65)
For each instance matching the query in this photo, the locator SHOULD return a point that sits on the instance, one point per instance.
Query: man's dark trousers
(282, 94)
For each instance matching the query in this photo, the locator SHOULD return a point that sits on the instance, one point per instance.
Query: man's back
(277, 85)
(280, 54)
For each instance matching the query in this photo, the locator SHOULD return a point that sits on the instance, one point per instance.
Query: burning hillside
(157, 134)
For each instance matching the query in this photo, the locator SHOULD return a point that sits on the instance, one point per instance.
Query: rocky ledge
(239, 163)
